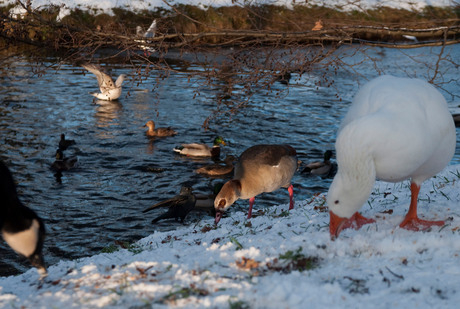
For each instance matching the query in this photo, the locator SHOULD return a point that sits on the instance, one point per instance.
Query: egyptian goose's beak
(219, 214)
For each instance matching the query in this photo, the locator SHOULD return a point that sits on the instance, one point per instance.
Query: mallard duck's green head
(219, 141)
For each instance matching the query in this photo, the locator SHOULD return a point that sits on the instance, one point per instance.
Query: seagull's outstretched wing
(150, 33)
(105, 81)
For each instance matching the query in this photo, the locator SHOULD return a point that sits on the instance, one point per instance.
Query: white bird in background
(150, 33)
(109, 90)
(395, 129)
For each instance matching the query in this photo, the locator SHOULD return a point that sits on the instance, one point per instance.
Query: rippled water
(121, 172)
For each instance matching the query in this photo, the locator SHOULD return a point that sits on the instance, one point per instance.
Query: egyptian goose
(109, 90)
(201, 150)
(260, 168)
(158, 132)
(22, 229)
(395, 129)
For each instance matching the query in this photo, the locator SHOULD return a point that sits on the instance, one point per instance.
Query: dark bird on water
(178, 206)
(65, 143)
(63, 164)
(22, 229)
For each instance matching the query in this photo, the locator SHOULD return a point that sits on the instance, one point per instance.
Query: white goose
(395, 129)
(109, 90)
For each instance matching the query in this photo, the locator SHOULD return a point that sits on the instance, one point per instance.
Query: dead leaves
(247, 263)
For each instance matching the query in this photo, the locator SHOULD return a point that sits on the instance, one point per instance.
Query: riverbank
(278, 259)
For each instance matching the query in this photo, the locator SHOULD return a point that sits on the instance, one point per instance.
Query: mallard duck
(22, 229)
(218, 169)
(65, 143)
(260, 168)
(178, 206)
(158, 132)
(109, 90)
(321, 168)
(205, 202)
(61, 163)
(201, 150)
(395, 129)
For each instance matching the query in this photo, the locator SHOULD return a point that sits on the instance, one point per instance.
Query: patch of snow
(136, 5)
(245, 261)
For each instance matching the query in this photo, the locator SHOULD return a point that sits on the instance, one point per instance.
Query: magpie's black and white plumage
(21, 227)
(178, 206)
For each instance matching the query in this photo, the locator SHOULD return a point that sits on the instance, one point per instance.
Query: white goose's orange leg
(412, 221)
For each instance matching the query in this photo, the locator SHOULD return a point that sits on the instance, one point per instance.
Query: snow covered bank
(276, 260)
(136, 5)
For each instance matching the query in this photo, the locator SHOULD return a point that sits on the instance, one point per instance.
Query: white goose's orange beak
(337, 224)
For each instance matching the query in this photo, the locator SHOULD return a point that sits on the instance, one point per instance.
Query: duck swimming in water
(201, 150)
(65, 143)
(63, 164)
(322, 168)
(218, 169)
(158, 132)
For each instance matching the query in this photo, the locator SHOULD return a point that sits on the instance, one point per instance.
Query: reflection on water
(121, 171)
(107, 112)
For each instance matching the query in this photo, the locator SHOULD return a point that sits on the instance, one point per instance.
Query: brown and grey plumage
(218, 169)
(109, 90)
(21, 228)
(158, 132)
(178, 206)
(260, 168)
